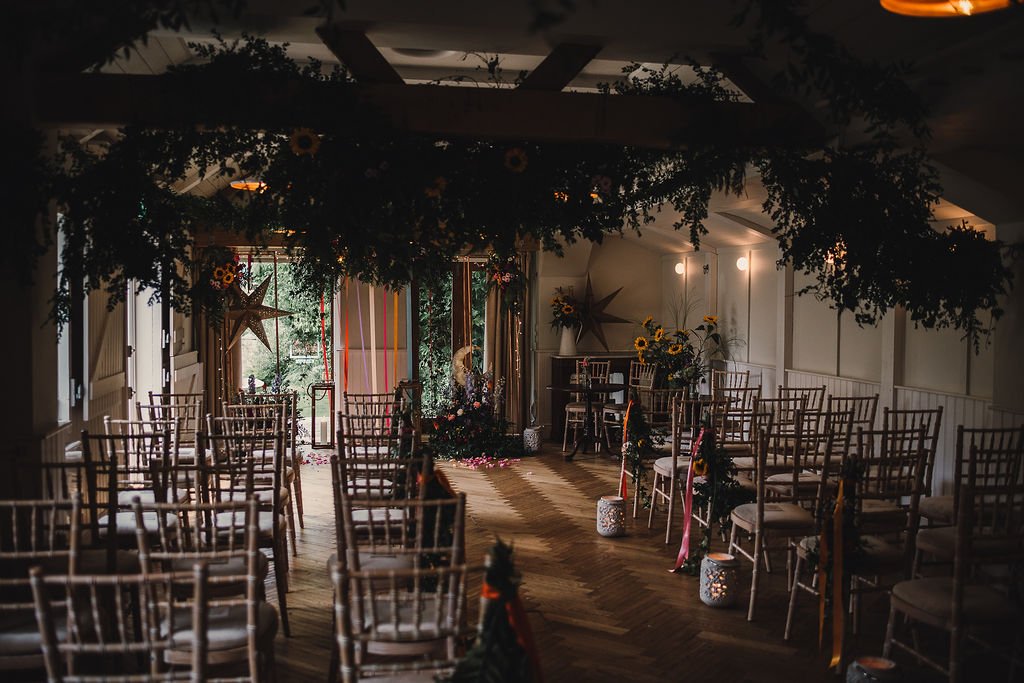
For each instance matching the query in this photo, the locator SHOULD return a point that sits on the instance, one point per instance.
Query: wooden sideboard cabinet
(562, 368)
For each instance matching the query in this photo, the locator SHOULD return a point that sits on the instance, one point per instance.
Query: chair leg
(732, 539)
(890, 630)
(954, 654)
(565, 434)
(280, 579)
(291, 524)
(755, 575)
(671, 507)
(654, 500)
(794, 587)
(335, 663)
(297, 487)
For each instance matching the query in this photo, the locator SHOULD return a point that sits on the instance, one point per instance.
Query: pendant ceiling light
(945, 8)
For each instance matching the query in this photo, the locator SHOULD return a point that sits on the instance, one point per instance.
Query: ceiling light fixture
(248, 185)
(945, 8)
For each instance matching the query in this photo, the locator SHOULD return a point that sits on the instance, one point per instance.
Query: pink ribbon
(684, 547)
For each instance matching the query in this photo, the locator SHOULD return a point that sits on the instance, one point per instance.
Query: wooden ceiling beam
(358, 53)
(560, 67)
(173, 100)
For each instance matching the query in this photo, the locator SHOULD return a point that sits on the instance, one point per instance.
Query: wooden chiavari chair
(248, 466)
(32, 533)
(576, 408)
(187, 409)
(120, 628)
(814, 397)
(223, 536)
(641, 377)
(915, 418)
(724, 380)
(293, 460)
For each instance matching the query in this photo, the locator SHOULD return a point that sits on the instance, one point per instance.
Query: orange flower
(516, 160)
(304, 142)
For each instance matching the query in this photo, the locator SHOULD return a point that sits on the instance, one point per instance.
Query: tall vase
(567, 344)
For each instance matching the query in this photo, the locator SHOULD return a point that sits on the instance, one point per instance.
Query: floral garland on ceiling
(390, 207)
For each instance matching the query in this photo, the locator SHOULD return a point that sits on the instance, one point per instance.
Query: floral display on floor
(681, 354)
(470, 424)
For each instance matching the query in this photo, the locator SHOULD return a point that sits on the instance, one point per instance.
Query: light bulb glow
(680, 268)
(742, 263)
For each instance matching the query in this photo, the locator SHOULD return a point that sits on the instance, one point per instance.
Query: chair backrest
(928, 418)
(599, 370)
(128, 642)
(409, 533)
(722, 380)
(243, 466)
(288, 399)
(864, 409)
(396, 606)
(995, 444)
(892, 465)
(812, 440)
(182, 533)
(251, 418)
(364, 478)
(33, 532)
(187, 408)
(657, 405)
(784, 410)
(990, 522)
(814, 397)
(360, 435)
(735, 419)
(641, 375)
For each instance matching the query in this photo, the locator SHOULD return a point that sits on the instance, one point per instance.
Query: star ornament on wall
(593, 314)
(247, 312)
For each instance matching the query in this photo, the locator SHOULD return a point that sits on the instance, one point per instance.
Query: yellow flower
(659, 334)
(435, 190)
(304, 142)
(515, 160)
(228, 278)
(640, 358)
(711, 319)
(640, 343)
(675, 349)
(556, 301)
(568, 309)
(218, 273)
(700, 468)
(647, 320)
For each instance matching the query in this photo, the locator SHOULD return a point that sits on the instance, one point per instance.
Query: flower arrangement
(469, 423)
(219, 270)
(680, 354)
(637, 446)
(565, 309)
(504, 274)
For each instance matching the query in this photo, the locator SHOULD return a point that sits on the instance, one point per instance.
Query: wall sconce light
(680, 268)
(742, 263)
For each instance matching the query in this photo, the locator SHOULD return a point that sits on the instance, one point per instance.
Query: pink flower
(451, 417)
(476, 404)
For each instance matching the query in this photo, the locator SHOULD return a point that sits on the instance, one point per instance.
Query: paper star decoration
(594, 315)
(247, 312)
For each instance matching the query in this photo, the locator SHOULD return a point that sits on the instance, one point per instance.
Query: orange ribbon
(623, 480)
(520, 625)
(838, 614)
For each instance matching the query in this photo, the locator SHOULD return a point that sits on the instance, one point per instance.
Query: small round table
(588, 391)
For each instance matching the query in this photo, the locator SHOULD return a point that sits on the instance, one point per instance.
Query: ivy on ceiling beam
(175, 100)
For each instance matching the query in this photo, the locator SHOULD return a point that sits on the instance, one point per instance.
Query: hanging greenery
(358, 198)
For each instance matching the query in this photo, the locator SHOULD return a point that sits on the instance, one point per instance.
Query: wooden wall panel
(957, 409)
(763, 375)
(835, 386)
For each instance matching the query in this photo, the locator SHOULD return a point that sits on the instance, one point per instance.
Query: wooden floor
(601, 609)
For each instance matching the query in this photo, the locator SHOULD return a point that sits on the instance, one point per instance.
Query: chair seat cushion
(663, 466)
(147, 497)
(377, 515)
(804, 479)
(378, 562)
(934, 596)
(941, 542)
(877, 555)
(744, 463)
(739, 450)
(265, 521)
(230, 566)
(407, 622)
(785, 516)
(938, 509)
(124, 521)
(226, 628)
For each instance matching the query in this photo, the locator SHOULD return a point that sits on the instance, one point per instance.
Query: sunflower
(711, 319)
(437, 188)
(700, 467)
(515, 160)
(228, 278)
(231, 267)
(647, 320)
(304, 141)
(640, 358)
(556, 301)
(675, 349)
(568, 309)
(640, 344)
(218, 273)
(659, 334)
